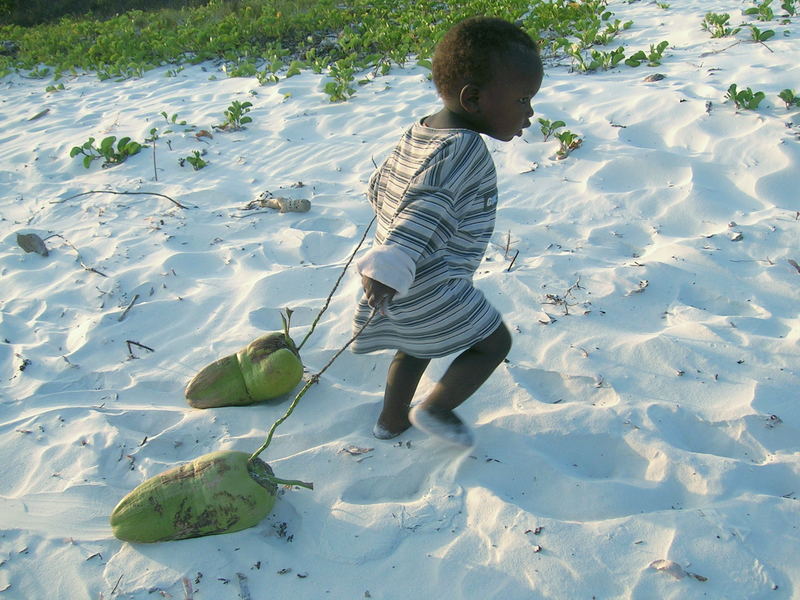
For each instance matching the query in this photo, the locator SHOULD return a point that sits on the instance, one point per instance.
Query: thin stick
(155, 171)
(132, 343)
(258, 212)
(130, 305)
(116, 585)
(314, 379)
(723, 50)
(175, 202)
(336, 285)
(512, 261)
(80, 260)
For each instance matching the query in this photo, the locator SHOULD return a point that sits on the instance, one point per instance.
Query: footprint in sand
(689, 432)
(592, 455)
(551, 387)
(399, 486)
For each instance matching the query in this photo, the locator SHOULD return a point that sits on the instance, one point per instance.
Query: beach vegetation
(274, 39)
(760, 36)
(718, 25)
(789, 98)
(107, 151)
(548, 127)
(195, 159)
(342, 73)
(568, 142)
(173, 120)
(595, 59)
(746, 98)
(789, 7)
(762, 11)
(653, 56)
(236, 116)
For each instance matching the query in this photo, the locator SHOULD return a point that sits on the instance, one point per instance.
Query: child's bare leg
(464, 376)
(402, 380)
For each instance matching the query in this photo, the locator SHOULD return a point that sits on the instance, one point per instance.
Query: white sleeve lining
(389, 265)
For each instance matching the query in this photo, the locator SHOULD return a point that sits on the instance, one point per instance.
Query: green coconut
(220, 492)
(266, 368)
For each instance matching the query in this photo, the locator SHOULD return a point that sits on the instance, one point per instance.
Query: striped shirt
(435, 198)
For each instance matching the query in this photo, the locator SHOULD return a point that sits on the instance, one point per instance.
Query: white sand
(654, 426)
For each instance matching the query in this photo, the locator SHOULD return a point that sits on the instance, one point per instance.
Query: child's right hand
(377, 293)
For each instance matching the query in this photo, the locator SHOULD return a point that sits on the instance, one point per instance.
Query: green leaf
(107, 144)
(75, 151)
(244, 120)
(87, 160)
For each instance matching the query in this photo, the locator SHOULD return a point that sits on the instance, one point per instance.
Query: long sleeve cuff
(389, 265)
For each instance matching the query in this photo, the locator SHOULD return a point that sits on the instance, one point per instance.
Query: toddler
(435, 198)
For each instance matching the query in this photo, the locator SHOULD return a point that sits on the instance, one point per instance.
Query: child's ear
(468, 98)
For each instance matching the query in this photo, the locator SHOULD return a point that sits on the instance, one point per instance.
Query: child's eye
(524, 100)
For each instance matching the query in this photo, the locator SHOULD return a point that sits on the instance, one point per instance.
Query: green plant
(745, 98)
(173, 120)
(789, 97)
(596, 59)
(548, 127)
(664, 5)
(111, 156)
(569, 142)
(653, 57)
(789, 7)
(607, 60)
(54, 88)
(235, 116)
(196, 160)
(763, 11)
(343, 73)
(760, 36)
(717, 25)
(153, 137)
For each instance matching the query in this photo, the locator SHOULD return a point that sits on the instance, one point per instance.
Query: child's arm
(377, 293)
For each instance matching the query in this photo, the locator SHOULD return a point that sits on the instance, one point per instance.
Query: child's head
(481, 67)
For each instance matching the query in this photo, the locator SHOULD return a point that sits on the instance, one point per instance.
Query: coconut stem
(279, 481)
(336, 285)
(314, 379)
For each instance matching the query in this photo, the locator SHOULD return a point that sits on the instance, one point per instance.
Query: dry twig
(175, 202)
(80, 260)
(130, 305)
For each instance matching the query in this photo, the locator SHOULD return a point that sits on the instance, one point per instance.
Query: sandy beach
(640, 442)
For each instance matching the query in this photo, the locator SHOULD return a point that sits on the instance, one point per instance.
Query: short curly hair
(464, 55)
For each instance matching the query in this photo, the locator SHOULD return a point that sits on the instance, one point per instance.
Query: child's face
(504, 104)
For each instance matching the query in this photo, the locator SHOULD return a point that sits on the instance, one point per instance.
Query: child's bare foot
(386, 428)
(442, 423)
